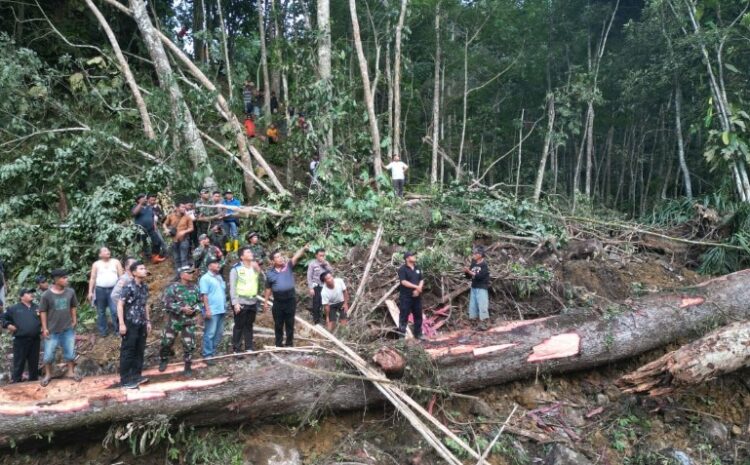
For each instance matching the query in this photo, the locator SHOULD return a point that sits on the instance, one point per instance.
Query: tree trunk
(148, 127)
(589, 150)
(324, 70)
(545, 150)
(377, 159)
(199, 49)
(183, 118)
(436, 103)
(264, 59)
(225, 43)
(720, 352)
(397, 81)
(268, 385)
(681, 142)
(520, 153)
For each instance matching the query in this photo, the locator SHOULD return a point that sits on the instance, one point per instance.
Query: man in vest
(244, 279)
(182, 302)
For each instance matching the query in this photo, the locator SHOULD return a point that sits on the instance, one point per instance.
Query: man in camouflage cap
(182, 303)
(206, 253)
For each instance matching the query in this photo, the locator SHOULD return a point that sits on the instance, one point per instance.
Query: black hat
(408, 254)
(228, 192)
(213, 260)
(23, 292)
(185, 269)
(58, 273)
(40, 279)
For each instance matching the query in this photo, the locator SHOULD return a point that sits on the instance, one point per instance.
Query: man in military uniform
(253, 241)
(182, 303)
(205, 253)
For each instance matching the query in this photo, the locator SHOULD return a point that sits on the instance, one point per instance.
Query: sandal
(77, 377)
(45, 382)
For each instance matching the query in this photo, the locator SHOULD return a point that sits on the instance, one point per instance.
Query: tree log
(290, 382)
(720, 352)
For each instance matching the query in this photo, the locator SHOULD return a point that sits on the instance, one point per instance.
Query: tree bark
(264, 58)
(267, 385)
(681, 142)
(227, 66)
(148, 127)
(720, 352)
(183, 118)
(546, 149)
(324, 71)
(377, 159)
(199, 49)
(396, 142)
(436, 103)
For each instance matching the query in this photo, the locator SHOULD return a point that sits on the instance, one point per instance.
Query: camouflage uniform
(203, 255)
(176, 296)
(258, 253)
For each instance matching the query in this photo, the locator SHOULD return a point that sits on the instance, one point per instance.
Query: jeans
(317, 305)
(231, 228)
(25, 349)
(248, 108)
(181, 252)
(66, 339)
(243, 327)
(157, 243)
(213, 330)
(131, 353)
(479, 302)
(409, 305)
(103, 300)
(398, 187)
(283, 311)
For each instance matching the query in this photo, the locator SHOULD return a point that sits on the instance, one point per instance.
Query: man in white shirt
(398, 171)
(335, 299)
(105, 273)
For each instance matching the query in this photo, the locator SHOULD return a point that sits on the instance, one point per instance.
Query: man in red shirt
(249, 127)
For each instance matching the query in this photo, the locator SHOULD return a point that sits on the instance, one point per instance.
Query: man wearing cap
(244, 286)
(41, 285)
(22, 321)
(182, 302)
(213, 293)
(143, 215)
(102, 280)
(204, 212)
(231, 222)
(479, 273)
(314, 269)
(410, 294)
(259, 253)
(206, 252)
(280, 282)
(57, 308)
(135, 324)
(335, 299)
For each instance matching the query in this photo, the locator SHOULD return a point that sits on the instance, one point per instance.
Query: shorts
(66, 339)
(337, 312)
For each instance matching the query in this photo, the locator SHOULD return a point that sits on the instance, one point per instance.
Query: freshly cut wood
(259, 387)
(394, 312)
(723, 351)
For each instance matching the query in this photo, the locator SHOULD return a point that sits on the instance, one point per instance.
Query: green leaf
(731, 68)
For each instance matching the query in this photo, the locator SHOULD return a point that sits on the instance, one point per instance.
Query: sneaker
(163, 365)
(130, 385)
(141, 380)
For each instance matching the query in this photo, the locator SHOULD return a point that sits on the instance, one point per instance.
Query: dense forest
(612, 130)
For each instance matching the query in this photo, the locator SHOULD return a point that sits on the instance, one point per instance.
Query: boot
(188, 371)
(228, 246)
(236, 245)
(163, 365)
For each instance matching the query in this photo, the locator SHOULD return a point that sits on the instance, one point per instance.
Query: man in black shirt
(143, 216)
(410, 294)
(22, 320)
(479, 273)
(135, 324)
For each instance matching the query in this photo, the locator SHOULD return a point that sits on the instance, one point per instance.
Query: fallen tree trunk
(259, 387)
(722, 351)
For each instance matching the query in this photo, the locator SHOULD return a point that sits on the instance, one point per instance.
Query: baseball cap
(227, 192)
(205, 191)
(408, 254)
(202, 236)
(252, 234)
(213, 260)
(186, 269)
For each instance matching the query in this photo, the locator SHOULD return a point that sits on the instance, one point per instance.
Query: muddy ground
(582, 411)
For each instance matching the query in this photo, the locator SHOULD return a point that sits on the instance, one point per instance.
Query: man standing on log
(244, 285)
(179, 225)
(213, 292)
(335, 299)
(231, 221)
(204, 213)
(205, 253)
(104, 275)
(57, 307)
(143, 215)
(479, 273)
(280, 281)
(410, 294)
(182, 302)
(22, 321)
(315, 269)
(135, 324)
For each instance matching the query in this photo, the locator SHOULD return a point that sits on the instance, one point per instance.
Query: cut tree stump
(258, 387)
(720, 352)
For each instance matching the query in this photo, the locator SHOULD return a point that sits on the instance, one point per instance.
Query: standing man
(335, 297)
(204, 213)
(143, 215)
(231, 221)
(410, 294)
(22, 321)
(179, 225)
(249, 127)
(259, 253)
(182, 302)
(123, 281)
(280, 281)
(102, 280)
(398, 174)
(274, 103)
(57, 308)
(313, 169)
(41, 285)
(206, 252)
(218, 217)
(247, 97)
(315, 268)
(479, 273)
(135, 324)
(213, 292)
(244, 279)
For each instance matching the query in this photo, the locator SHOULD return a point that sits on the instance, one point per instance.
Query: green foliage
(529, 280)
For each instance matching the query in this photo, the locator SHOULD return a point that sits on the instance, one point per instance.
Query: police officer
(182, 302)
